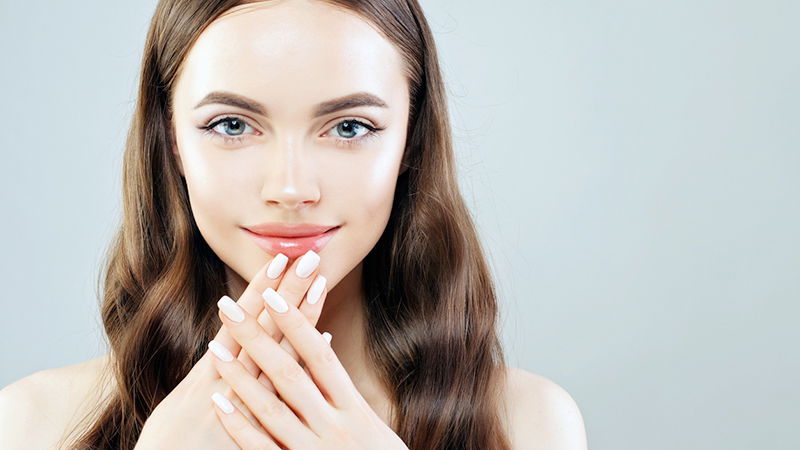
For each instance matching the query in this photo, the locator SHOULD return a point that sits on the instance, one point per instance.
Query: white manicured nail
(220, 351)
(230, 309)
(327, 336)
(223, 403)
(315, 291)
(307, 264)
(275, 301)
(277, 265)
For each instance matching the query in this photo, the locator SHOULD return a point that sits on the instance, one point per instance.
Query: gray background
(632, 166)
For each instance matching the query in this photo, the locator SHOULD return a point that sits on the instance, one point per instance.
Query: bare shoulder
(36, 411)
(543, 415)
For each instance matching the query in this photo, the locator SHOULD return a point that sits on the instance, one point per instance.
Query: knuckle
(224, 370)
(293, 373)
(238, 426)
(249, 332)
(341, 435)
(294, 290)
(272, 408)
(326, 356)
(295, 322)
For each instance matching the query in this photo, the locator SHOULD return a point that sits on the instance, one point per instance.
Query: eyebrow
(327, 107)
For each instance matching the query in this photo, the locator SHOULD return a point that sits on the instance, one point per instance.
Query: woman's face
(293, 159)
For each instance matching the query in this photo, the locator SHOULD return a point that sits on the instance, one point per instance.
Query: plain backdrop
(632, 167)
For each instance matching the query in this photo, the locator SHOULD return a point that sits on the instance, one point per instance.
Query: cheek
(371, 188)
(364, 184)
(359, 191)
(355, 186)
(216, 190)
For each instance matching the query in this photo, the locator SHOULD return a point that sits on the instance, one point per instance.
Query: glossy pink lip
(292, 247)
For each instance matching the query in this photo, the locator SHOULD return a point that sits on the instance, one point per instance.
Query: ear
(178, 161)
(175, 153)
(404, 162)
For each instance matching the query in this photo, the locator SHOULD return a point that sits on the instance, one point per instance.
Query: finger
(329, 374)
(294, 284)
(274, 272)
(327, 336)
(238, 427)
(312, 313)
(238, 403)
(291, 382)
(273, 414)
(311, 308)
(250, 301)
(298, 278)
(263, 378)
(265, 381)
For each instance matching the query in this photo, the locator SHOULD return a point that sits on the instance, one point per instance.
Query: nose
(290, 181)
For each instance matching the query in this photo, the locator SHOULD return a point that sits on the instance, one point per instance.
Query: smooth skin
(287, 166)
(317, 409)
(185, 419)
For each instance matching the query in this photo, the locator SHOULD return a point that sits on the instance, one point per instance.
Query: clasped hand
(291, 395)
(333, 414)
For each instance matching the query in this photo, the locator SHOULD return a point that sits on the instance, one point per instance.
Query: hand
(183, 419)
(318, 408)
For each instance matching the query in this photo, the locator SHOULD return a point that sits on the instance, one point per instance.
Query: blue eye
(233, 123)
(348, 126)
(348, 129)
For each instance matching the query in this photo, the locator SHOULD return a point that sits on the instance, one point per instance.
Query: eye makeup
(371, 133)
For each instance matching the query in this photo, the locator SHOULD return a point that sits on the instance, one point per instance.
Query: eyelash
(372, 132)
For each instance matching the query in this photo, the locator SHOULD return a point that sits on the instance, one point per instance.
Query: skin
(319, 408)
(288, 55)
(287, 167)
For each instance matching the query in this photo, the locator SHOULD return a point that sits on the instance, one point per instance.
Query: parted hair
(430, 302)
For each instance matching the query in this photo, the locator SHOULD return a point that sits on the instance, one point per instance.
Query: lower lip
(292, 247)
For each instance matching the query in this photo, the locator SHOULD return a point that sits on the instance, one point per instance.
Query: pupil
(348, 127)
(234, 124)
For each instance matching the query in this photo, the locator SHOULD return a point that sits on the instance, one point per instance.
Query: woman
(253, 118)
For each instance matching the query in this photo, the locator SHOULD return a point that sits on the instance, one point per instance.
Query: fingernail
(277, 265)
(230, 309)
(275, 301)
(315, 291)
(220, 351)
(327, 336)
(307, 264)
(222, 402)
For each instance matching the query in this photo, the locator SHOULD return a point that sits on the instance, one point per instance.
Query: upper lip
(289, 229)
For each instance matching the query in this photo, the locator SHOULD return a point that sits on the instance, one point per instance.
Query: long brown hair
(431, 305)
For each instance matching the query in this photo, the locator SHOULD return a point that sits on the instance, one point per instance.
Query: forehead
(287, 51)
